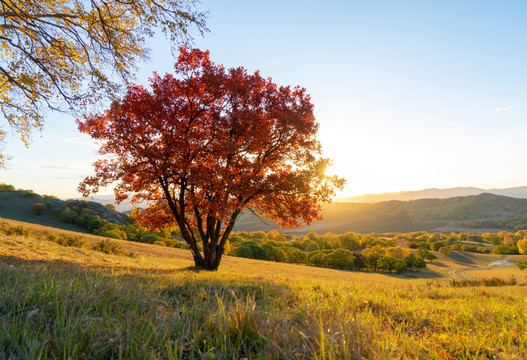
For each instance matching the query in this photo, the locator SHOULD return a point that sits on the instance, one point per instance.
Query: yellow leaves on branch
(68, 54)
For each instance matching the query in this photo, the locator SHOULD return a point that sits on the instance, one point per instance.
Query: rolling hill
(483, 212)
(433, 193)
(404, 216)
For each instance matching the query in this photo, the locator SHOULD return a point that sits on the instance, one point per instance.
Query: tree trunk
(210, 261)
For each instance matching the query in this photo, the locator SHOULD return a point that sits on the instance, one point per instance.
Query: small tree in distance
(207, 143)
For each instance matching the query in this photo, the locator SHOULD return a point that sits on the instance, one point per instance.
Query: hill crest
(435, 193)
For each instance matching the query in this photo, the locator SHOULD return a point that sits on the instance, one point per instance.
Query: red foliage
(207, 143)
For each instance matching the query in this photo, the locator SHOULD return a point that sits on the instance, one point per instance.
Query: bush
(312, 246)
(484, 282)
(296, 256)
(27, 193)
(112, 233)
(243, 251)
(110, 207)
(316, 258)
(150, 238)
(39, 208)
(437, 245)
(340, 259)
(160, 243)
(108, 247)
(49, 197)
(506, 250)
(389, 263)
(274, 253)
(5, 187)
(68, 216)
(425, 254)
(69, 240)
(19, 230)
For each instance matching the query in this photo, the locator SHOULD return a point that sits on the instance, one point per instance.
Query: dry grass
(68, 302)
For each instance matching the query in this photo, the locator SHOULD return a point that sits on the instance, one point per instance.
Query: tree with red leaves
(206, 144)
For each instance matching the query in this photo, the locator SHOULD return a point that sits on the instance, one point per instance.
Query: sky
(408, 94)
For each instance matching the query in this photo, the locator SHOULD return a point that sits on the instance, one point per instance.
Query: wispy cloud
(57, 166)
(500, 109)
(80, 141)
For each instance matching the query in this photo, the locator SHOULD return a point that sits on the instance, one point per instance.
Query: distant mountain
(405, 216)
(517, 192)
(433, 193)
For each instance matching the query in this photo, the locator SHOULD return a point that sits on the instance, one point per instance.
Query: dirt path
(464, 274)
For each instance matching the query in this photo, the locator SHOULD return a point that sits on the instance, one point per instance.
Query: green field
(143, 301)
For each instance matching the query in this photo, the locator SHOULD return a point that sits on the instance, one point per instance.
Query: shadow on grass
(170, 277)
(458, 257)
(414, 275)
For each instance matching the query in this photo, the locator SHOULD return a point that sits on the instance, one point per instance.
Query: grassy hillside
(484, 212)
(20, 205)
(145, 302)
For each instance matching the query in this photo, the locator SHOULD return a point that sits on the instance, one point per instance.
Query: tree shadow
(458, 257)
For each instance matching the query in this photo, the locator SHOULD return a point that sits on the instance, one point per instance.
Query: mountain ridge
(435, 193)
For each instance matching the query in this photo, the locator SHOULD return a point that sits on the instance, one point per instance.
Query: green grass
(67, 302)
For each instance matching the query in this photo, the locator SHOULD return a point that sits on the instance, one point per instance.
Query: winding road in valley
(464, 274)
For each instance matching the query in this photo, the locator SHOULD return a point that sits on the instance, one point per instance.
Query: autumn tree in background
(522, 245)
(67, 54)
(205, 144)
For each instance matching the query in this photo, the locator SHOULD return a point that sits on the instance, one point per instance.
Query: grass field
(145, 302)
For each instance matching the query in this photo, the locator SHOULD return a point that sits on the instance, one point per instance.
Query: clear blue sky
(408, 94)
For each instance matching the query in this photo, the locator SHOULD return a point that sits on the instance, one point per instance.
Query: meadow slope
(145, 302)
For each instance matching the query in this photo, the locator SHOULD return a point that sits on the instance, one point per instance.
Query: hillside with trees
(465, 213)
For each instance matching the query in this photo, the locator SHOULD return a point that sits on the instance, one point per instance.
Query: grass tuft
(495, 281)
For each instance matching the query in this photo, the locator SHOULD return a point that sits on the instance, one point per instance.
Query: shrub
(49, 197)
(506, 250)
(69, 240)
(296, 256)
(110, 207)
(484, 282)
(112, 233)
(312, 246)
(160, 243)
(68, 216)
(468, 248)
(340, 259)
(150, 238)
(425, 254)
(27, 193)
(108, 247)
(258, 234)
(39, 208)
(5, 187)
(389, 263)
(316, 258)
(19, 230)
(437, 245)
(243, 251)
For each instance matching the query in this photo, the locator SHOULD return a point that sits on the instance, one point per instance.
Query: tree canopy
(66, 54)
(205, 144)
